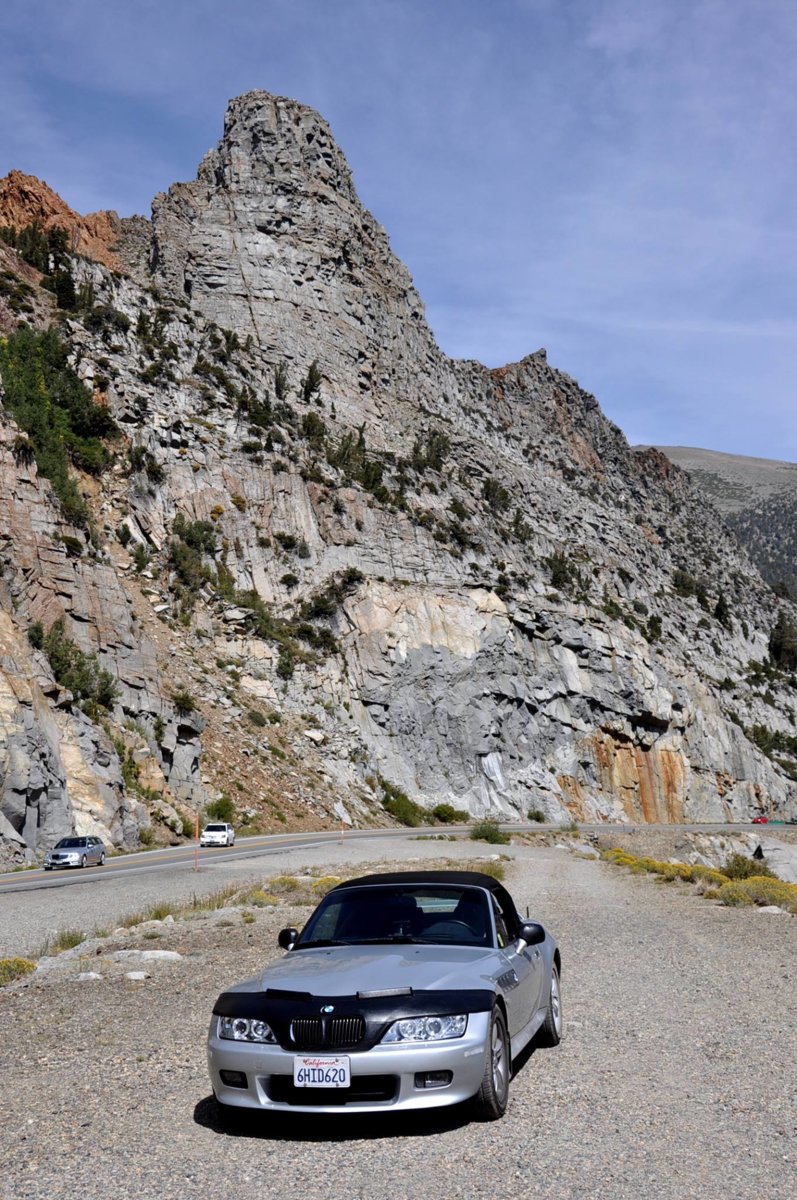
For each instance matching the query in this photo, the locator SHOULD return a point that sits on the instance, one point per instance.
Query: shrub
(260, 898)
(653, 631)
(183, 702)
(489, 831)
(325, 884)
(314, 429)
(431, 452)
(759, 889)
(222, 809)
(312, 382)
(281, 380)
(733, 895)
(36, 635)
(783, 643)
(536, 814)
(286, 663)
(351, 458)
(565, 575)
(398, 804)
(14, 968)
(77, 672)
(326, 602)
(739, 866)
(708, 875)
(446, 814)
(683, 583)
(495, 495)
(285, 883)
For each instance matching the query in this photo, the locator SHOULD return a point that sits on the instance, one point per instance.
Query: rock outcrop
(458, 581)
(25, 200)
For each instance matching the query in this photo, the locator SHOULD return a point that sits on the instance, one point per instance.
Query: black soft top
(457, 878)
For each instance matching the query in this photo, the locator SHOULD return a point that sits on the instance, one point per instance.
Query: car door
(522, 982)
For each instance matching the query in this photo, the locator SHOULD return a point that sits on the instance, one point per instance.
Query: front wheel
(551, 1029)
(83, 861)
(493, 1095)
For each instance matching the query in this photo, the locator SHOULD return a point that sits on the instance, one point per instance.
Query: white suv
(217, 834)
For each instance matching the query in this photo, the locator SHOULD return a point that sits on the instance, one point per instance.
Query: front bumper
(383, 1078)
(55, 863)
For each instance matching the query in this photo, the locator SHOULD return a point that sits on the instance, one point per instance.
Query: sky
(611, 179)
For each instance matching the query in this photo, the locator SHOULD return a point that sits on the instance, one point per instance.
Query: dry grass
(714, 884)
(12, 969)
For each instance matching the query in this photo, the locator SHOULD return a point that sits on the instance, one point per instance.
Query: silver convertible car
(403, 991)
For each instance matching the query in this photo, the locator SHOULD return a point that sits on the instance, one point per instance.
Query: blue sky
(611, 179)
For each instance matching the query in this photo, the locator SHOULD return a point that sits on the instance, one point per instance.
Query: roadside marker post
(196, 842)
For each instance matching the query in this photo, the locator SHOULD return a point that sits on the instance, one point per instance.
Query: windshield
(426, 913)
(70, 843)
(215, 829)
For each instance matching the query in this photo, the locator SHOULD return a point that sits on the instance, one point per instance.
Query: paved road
(676, 1078)
(188, 857)
(36, 905)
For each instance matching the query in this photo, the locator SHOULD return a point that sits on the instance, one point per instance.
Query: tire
(83, 861)
(101, 863)
(493, 1096)
(550, 1033)
(48, 868)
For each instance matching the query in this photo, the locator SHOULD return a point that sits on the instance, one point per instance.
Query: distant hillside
(758, 498)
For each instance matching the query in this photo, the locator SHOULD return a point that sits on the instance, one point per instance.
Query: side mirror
(531, 932)
(287, 938)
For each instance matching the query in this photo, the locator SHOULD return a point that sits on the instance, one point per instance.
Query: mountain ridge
(377, 571)
(758, 499)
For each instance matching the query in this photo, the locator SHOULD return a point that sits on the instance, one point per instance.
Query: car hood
(346, 970)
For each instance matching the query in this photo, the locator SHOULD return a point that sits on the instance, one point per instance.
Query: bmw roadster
(403, 991)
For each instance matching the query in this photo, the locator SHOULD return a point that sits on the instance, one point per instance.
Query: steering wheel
(446, 927)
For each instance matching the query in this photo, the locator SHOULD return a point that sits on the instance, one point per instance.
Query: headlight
(427, 1029)
(242, 1029)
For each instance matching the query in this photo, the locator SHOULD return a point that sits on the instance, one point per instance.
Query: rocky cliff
(325, 564)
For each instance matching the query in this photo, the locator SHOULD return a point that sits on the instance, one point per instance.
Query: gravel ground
(676, 1078)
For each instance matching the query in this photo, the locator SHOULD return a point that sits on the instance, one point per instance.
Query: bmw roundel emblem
(327, 1008)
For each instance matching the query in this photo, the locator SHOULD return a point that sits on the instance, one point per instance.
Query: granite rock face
(271, 240)
(458, 580)
(60, 771)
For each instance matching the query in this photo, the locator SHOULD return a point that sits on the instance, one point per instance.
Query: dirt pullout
(675, 1079)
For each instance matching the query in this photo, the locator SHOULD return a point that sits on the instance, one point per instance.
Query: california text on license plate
(311, 1071)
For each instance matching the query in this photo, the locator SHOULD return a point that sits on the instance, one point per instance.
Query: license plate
(311, 1071)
